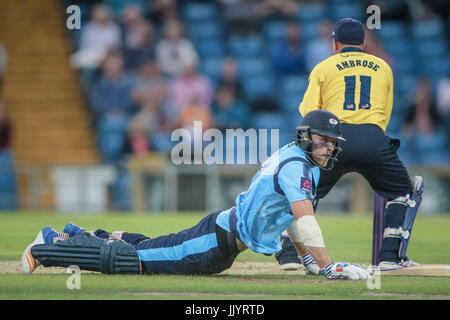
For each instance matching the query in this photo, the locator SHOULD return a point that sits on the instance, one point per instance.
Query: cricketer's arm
(306, 233)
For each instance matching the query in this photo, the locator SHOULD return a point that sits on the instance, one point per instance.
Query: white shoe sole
(290, 266)
(28, 264)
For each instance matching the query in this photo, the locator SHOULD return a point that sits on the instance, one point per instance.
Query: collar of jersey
(350, 49)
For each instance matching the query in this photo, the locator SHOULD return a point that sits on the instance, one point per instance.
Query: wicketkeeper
(279, 197)
(358, 88)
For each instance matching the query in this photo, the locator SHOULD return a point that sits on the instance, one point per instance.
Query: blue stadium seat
(270, 121)
(119, 124)
(396, 122)
(432, 148)
(392, 30)
(274, 31)
(311, 13)
(405, 84)
(436, 67)
(289, 103)
(291, 121)
(406, 152)
(117, 6)
(249, 66)
(398, 48)
(293, 84)
(111, 145)
(120, 199)
(340, 2)
(310, 31)
(200, 31)
(111, 134)
(431, 48)
(405, 65)
(267, 120)
(349, 10)
(258, 86)
(434, 28)
(246, 46)
(200, 11)
(8, 185)
(211, 67)
(210, 48)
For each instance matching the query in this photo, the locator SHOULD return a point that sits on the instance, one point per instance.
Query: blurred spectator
(3, 64)
(195, 111)
(230, 76)
(289, 56)
(423, 116)
(149, 120)
(139, 51)
(321, 48)
(99, 35)
(173, 51)
(161, 11)
(111, 95)
(242, 16)
(131, 18)
(278, 9)
(189, 87)
(8, 187)
(374, 46)
(443, 96)
(443, 103)
(228, 111)
(5, 130)
(138, 138)
(148, 75)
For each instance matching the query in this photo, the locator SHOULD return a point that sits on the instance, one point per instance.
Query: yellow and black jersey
(357, 87)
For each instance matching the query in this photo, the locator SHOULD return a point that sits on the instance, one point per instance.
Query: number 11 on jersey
(364, 97)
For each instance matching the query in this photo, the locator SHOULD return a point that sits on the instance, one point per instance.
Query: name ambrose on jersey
(357, 63)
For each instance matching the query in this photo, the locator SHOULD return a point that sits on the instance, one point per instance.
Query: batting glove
(311, 267)
(345, 271)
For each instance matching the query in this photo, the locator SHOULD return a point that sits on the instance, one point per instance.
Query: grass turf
(347, 237)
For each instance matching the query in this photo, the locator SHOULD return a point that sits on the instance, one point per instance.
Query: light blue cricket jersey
(263, 212)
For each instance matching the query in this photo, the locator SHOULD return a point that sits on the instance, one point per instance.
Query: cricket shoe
(287, 257)
(72, 230)
(393, 265)
(46, 236)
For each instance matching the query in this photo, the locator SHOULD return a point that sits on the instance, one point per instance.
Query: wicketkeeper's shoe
(393, 265)
(72, 230)
(46, 236)
(287, 257)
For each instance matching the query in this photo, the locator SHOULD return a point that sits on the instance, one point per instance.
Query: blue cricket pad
(89, 253)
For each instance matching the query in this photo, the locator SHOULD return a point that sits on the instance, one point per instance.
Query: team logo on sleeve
(305, 184)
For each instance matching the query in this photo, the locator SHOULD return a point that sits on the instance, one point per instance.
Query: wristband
(329, 271)
(307, 259)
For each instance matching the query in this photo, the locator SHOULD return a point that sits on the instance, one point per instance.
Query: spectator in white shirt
(174, 50)
(99, 35)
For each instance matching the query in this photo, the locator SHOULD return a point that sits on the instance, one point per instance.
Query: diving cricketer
(279, 196)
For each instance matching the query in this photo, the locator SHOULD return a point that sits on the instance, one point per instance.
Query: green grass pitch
(347, 238)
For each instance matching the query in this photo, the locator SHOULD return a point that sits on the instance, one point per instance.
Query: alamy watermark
(212, 146)
(374, 20)
(374, 281)
(74, 280)
(73, 22)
